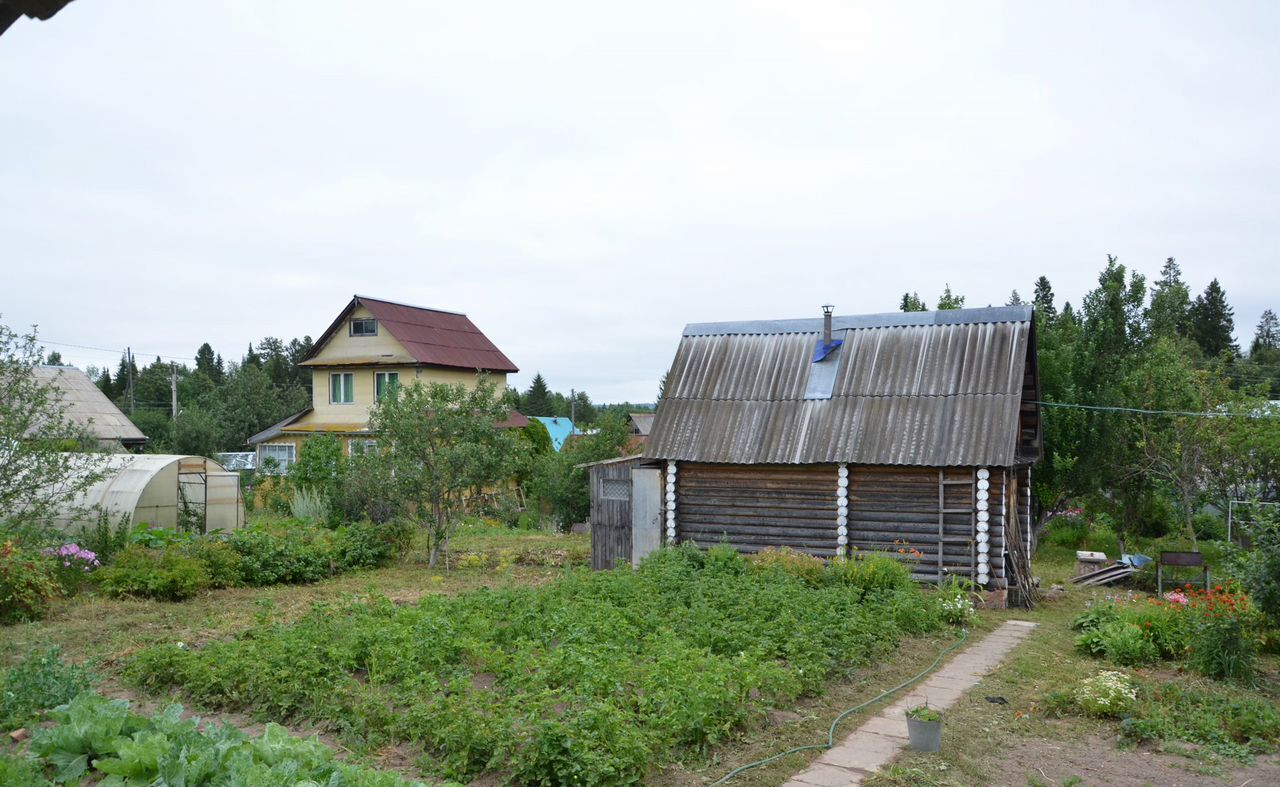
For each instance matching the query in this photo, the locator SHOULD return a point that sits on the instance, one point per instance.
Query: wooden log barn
(841, 435)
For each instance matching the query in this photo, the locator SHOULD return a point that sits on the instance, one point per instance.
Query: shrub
(220, 559)
(1068, 530)
(1106, 694)
(1127, 644)
(788, 561)
(168, 574)
(27, 585)
(42, 680)
(366, 545)
(293, 556)
(1260, 568)
(873, 572)
(1221, 648)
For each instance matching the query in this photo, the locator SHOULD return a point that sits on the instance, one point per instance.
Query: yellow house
(372, 346)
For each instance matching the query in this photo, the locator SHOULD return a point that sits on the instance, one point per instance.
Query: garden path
(879, 740)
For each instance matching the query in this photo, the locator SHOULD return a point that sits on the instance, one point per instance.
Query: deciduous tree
(442, 443)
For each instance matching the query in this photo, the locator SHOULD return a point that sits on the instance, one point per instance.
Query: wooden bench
(1181, 560)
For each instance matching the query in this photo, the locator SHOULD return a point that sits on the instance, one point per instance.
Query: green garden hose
(831, 733)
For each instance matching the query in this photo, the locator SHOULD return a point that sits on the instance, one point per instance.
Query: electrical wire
(831, 732)
(1140, 411)
(116, 351)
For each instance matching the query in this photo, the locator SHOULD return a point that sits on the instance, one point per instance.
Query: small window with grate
(616, 489)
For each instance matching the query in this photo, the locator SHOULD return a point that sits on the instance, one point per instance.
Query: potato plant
(587, 680)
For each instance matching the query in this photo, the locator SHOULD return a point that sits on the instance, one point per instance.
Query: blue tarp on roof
(559, 428)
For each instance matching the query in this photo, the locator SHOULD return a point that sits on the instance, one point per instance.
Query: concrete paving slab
(880, 738)
(826, 775)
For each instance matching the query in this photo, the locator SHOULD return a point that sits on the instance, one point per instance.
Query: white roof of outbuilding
(88, 407)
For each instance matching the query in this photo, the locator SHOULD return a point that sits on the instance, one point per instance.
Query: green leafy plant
(871, 571)
(310, 505)
(28, 584)
(41, 680)
(924, 713)
(168, 573)
(589, 679)
(1127, 644)
(101, 741)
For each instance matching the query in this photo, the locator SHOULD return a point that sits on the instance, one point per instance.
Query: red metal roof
(430, 336)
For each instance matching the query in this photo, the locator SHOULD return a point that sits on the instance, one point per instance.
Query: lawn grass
(976, 732)
(106, 631)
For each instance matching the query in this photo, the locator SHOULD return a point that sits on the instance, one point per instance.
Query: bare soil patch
(1098, 761)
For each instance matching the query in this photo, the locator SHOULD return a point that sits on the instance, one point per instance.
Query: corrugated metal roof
(643, 423)
(430, 336)
(88, 407)
(923, 388)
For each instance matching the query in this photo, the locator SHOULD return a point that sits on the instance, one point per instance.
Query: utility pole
(573, 402)
(128, 353)
(173, 387)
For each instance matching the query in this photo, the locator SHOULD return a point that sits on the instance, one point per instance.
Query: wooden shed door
(611, 521)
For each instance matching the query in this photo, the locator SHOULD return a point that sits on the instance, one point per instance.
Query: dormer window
(366, 326)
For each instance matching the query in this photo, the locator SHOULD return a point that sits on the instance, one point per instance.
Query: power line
(115, 351)
(1140, 411)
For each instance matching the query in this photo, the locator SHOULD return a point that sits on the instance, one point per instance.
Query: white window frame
(290, 456)
(381, 379)
(365, 446)
(351, 326)
(348, 384)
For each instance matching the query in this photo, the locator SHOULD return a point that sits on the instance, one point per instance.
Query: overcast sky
(585, 179)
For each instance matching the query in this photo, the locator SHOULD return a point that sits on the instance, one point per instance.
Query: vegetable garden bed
(591, 679)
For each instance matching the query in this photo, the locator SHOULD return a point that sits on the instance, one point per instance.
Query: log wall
(931, 510)
(751, 507)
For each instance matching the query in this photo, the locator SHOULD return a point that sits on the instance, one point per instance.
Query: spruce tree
(1212, 321)
(1043, 300)
(1267, 337)
(948, 300)
(911, 303)
(1015, 299)
(209, 364)
(1169, 313)
(537, 400)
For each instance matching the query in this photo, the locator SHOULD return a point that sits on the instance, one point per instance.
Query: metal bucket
(925, 735)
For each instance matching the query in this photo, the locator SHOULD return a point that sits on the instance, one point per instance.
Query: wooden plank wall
(752, 507)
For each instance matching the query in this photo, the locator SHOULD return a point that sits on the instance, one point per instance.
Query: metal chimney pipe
(826, 324)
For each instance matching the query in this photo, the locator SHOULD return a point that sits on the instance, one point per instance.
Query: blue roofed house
(560, 429)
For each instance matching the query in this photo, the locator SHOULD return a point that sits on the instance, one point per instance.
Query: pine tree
(1043, 300)
(1213, 322)
(911, 303)
(251, 358)
(1267, 337)
(537, 400)
(1015, 299)
(948, 300)
(1169, 313)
